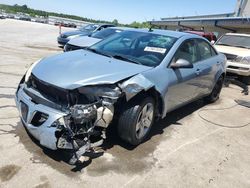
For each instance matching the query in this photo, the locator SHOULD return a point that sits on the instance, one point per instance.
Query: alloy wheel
(144, 120)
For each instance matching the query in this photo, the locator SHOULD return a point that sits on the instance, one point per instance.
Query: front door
(183, 82)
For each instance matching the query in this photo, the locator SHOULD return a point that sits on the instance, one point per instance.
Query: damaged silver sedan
(134, 77)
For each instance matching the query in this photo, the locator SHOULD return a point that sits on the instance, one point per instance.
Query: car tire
(215, 94)
(136, 120)
(245, 80)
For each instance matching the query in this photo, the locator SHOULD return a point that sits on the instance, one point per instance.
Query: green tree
(115, 22)
(24, 7)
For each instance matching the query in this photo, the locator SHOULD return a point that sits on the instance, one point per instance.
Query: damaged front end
(76, 120)
(86, 121)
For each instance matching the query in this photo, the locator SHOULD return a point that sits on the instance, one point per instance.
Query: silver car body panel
(135, 85)
(83, 68)
(84, 41)
(44, 133)
(80, 68)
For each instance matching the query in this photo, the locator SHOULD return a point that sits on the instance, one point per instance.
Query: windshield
(105, 33)
(136, 47)
(89, 28)
(234, 40)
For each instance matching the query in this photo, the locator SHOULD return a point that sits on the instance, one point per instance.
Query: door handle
(197, 72)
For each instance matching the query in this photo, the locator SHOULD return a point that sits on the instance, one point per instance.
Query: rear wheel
(215, 94)
(136, 121)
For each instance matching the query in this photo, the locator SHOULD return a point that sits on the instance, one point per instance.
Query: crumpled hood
(71, 70)
(84, 41)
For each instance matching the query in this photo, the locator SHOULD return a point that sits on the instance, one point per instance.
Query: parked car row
(24, 17)
(63, 38)
(2, 16)
(63, 24)
(86, 41)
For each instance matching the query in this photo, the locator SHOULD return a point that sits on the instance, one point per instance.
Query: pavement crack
(8, 106)
(8, 96)
(7, 87)
(174, 151)
(14, 117)
(10, 73)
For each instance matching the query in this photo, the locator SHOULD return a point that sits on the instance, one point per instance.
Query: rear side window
(205, 50)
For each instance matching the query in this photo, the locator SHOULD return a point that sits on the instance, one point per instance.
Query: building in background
(237, 21)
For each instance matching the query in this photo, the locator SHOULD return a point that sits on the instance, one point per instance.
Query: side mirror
(181, 63)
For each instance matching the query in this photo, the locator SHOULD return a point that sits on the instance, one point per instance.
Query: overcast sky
(127, 11)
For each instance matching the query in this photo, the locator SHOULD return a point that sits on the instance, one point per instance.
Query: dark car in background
(86, 41)
(63, 38)
(2, 16)
(25, 18)
(61, 23)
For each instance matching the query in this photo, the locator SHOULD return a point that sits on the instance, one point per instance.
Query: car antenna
(150, 26)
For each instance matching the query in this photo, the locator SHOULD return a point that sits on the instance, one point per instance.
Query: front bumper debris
(69, 129)
(45, 133)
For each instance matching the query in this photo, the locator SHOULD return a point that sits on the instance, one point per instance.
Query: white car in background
(86, 41)
(236, 47)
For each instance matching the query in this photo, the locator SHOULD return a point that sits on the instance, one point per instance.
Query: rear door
(207, 65)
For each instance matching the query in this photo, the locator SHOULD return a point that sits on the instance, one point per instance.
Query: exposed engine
(75, 130)
(89, 112)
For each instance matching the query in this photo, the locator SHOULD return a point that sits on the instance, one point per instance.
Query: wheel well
(158, 101)
(155, 95)
(223, 75)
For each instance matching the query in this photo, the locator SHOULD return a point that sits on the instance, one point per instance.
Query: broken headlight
(110, 91)
(83, 113)
(29, 71)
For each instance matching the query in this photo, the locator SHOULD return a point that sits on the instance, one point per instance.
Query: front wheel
(245, 79)
(215, 94)
(136, 121)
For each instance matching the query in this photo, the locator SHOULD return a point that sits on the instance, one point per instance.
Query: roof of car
(199, 32)
(99, 24)
(102, 24)
(170, 33)
(120, 28)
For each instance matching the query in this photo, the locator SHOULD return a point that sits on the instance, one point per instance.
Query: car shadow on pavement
(158, 127)
(114, 140)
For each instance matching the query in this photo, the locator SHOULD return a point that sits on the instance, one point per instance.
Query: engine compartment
(89, 112)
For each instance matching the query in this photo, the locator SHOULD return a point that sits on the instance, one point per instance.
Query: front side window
(105, 33)
(138, 47)
(90, 27)
(187, 51)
